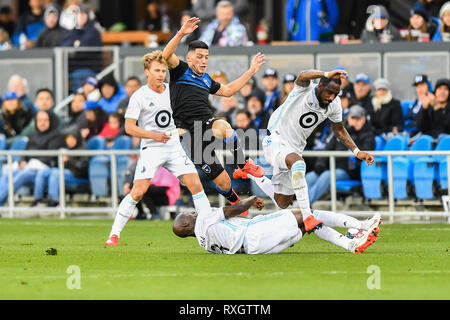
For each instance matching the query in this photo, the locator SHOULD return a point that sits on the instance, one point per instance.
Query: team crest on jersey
(205, 81)
(308, 120)
(206, 169)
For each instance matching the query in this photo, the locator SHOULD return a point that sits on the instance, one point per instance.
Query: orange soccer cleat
(249, 168)
(112, 241)
(312, 223)
(372, 237)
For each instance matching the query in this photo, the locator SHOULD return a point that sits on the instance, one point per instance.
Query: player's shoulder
(336, 104)
(139, 92)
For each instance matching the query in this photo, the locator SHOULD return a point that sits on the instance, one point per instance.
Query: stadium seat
(379, 143)
(427, 171)
(98, 168)
(406, 105)
(403, 167)
(2, 147)
(122, 143)
(96, 143)
(372, 178)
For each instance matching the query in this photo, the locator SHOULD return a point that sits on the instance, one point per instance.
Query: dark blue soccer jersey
(189, 96)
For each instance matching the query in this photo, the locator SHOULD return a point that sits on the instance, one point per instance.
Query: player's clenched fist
(258, 203)
(367, 157)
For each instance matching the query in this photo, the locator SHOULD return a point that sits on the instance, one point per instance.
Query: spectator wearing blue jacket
(31, 23)
(112, 93)
(311, 20)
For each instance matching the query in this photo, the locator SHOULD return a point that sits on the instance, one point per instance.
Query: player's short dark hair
(326, 81)
(197, 44)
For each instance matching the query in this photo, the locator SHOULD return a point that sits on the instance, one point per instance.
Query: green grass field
(151, 263)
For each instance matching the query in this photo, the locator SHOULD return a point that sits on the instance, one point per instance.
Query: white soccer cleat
(368, 237)
(372, 223)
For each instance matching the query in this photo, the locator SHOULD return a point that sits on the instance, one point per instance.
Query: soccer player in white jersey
(160, 145)
(220, 230)
(290, 125)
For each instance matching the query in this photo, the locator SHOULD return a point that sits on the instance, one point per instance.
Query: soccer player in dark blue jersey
(190, 87)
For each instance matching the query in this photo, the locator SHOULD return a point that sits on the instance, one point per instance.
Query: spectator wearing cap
(421, 27)
(185, 16)
(30, 24)
(434, 117)
(255, 105)
(6, 20)
(19, 86)
(311, 20)
(90, 89)
(385, 111)
(361, 131)
(271, 83)
(14, 116)
(444, 16)
(83, 64)
(431, 7)
(77, 118)
(112, 93)
(226, 30)
(288, 86)
(423, 90)
(96, 119)
(362, 90)
(378, 27)
(50, 36)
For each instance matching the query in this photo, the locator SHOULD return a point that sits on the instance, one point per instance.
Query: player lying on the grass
(220, 230)
(289, 127)
(160, 144)
(193, 113)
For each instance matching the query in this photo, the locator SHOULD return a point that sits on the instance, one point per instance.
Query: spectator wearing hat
(385, 111)
(50, 36)
(362, 90)
(111, 94)
(444, 16)
(255, 105)
(311, 20)
(14, 116)
(361, 131)
(421, 28)
(30, 24)
(434, 117)
(271, 83)
(378, 27)
(423, 89)
(288, 86)
(431, 7)
(95, 119)
(226, 30)
(90, 89)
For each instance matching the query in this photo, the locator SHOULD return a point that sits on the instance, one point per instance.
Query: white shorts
(173, 158)
(271, 233)
(275, 152)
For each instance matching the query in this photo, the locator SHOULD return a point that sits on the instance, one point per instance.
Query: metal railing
(332, 155)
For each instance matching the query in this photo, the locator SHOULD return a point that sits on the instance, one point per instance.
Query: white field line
(221, 274)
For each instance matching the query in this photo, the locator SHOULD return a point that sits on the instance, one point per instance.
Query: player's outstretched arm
(231, 88)
(242, 206)
(305, 77)
(342, 135)
(132, 129)
(169, 51)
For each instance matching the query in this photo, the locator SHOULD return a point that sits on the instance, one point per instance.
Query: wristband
(325, 75)
(355, 151)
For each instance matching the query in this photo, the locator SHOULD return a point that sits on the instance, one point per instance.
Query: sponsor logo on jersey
(308, 120)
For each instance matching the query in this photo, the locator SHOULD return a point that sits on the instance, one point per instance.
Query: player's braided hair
(156, 55)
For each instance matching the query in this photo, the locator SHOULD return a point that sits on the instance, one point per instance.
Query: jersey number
(308, 120)
(162, 119)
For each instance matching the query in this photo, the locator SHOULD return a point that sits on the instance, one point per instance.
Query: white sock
(265, 184)
(301, 187)
(331, 235)
(201, 202)
(332, 219)
(126, 208)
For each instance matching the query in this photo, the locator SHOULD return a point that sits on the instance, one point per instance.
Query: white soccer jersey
(153, 112)
(300, 114)
(219, 235)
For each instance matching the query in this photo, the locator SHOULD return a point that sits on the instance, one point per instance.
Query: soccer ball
(353, 233)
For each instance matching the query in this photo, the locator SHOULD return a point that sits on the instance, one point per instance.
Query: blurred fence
(63, 209)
